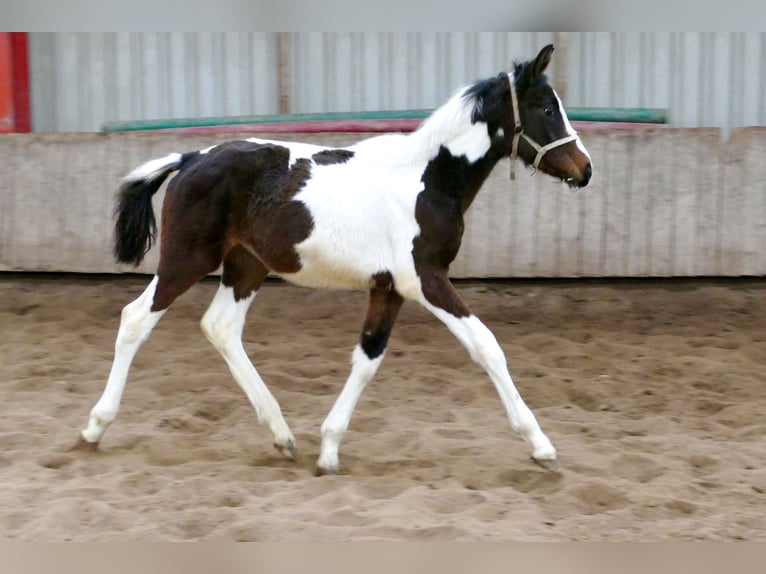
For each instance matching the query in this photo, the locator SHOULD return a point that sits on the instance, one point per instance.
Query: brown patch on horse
(243, 272)
(332, 156)
(450, 185)
(439, 291)
(382, 309)
(239, 193)
(296, 178)
(278, 222)
(439, 213)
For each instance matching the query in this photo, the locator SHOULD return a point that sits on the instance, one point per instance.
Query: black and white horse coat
(385, 214)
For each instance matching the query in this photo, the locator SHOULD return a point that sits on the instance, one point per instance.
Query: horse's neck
(457, 179)
(448, 141)
(449, 126)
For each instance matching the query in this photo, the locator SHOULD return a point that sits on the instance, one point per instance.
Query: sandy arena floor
(654, 394)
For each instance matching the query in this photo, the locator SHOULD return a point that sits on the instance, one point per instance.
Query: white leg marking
(363, 369)
(136, 323)
(485, 350)
(222, 324)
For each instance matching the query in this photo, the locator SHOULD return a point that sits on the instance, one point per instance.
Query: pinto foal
(385, 214)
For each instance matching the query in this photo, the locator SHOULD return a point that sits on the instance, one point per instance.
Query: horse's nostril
(586, 173)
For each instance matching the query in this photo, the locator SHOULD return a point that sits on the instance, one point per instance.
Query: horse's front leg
(440, 297)
(382, 310)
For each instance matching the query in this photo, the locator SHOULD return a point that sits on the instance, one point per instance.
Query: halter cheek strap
(518, 133)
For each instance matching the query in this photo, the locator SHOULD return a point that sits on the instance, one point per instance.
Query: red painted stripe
(22, 118)
(310, 127)
(587, 125)
(362, 126)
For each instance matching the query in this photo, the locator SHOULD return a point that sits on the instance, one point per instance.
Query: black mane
(486, 94)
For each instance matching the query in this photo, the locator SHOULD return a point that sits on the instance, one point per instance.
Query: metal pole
(561, 64)
(284, 81)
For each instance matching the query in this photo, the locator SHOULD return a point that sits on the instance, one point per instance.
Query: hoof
(321, 471)
(549, 464)
(84, 445)
(287, 450)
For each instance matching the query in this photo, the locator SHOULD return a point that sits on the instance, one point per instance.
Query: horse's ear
(542, 61)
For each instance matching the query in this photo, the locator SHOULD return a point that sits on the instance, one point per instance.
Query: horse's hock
(662, 202)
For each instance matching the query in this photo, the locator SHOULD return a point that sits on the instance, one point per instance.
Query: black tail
(136, 228)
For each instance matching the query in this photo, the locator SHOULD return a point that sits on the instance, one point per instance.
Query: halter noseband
(518, 133)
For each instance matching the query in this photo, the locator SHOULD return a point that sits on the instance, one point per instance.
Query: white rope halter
(518, 133)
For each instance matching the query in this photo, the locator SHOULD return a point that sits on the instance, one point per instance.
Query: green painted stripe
(632, 115)
(635, 115)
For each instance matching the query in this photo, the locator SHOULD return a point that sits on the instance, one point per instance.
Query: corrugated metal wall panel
(355, 71)
(81, 80)
(704, 79)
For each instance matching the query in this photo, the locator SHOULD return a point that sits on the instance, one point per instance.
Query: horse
(384, 214)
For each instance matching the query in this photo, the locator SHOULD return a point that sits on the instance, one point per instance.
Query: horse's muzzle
(587, 172)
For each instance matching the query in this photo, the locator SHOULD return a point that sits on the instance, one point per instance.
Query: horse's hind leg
(222, 324)
(174, 276)
(137, 321)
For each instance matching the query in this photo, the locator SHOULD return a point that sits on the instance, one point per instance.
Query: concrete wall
(662, 202)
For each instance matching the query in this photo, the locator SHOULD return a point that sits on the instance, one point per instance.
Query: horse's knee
(224, 320)
(207, 324)
(217, 330)
(485, 346)
(135, 324)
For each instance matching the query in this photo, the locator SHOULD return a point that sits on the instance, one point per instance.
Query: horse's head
(528, 120)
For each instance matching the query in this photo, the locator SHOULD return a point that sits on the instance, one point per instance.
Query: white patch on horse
(207, 149)
(136, 323)
(222, 324)
(473, 143)
(570, 130)
(358, 232)
(298, 150)
(153, 168)
(450, 126)
(363, 230)
(363, 369)
(485, 350)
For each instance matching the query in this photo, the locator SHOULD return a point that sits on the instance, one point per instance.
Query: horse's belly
(342, 266)
(361, 228)
(310, 278)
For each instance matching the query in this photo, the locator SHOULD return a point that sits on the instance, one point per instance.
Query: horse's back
(324, 222)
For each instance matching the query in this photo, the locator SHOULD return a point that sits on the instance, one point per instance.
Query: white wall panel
(704, 79)
(79, 81)
(663, 202)
(356, 71)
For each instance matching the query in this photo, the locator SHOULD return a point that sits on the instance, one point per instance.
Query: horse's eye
(549, 112)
